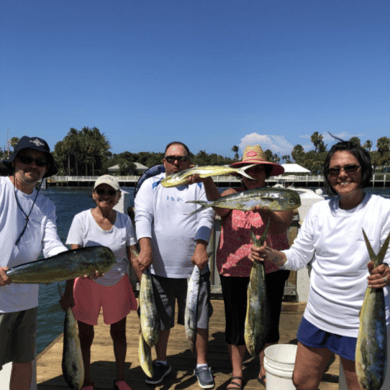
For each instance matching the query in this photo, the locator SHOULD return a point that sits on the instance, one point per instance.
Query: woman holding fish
(332, 241)
(113, 292)
(234, 265)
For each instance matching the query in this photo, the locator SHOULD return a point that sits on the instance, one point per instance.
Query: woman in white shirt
(331, 239)
(112, 292)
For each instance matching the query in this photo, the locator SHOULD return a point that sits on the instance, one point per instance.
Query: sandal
(121, 385)
(262, 380)
(88, 387)
(235, 385)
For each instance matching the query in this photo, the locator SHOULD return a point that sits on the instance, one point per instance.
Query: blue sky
(210, 73)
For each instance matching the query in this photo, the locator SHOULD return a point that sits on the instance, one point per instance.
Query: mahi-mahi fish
(66, 265)
(256, 320)
(191, 309)
(72, 358)
(181, 178)
(280, 199)
(371, 346)
(150, 322)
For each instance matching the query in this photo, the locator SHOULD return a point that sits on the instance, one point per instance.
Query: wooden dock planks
(49, 374)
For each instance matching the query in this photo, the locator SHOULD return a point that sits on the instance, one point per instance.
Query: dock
(182, 360)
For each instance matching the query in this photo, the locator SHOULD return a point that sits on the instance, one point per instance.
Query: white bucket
(279, 363)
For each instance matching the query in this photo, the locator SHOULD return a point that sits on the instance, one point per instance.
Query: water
(70, 201)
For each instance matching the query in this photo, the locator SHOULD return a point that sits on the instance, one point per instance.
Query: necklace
(26, 216)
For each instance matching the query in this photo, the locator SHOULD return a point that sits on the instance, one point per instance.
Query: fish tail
(382, 252)
(260, 241)
(241, 171)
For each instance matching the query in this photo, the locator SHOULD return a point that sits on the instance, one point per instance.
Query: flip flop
(262, 380)
(234, 385)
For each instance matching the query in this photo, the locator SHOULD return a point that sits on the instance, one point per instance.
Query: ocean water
(70, 201)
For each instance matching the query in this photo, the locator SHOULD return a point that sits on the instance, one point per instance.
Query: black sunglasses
(347, 169)
(172, 159)
(41, 161)
(103, 192)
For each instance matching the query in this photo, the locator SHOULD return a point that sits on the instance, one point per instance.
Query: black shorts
(234, 290)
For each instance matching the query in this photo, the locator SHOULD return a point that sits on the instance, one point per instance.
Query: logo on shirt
(173, 199)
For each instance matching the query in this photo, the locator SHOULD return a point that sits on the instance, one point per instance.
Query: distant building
(139, 170)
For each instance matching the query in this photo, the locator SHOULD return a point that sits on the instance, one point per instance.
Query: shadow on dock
(182, 360)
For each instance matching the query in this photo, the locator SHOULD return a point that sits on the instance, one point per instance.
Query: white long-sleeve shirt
(332, 239)
(40, 235)
(162, 215)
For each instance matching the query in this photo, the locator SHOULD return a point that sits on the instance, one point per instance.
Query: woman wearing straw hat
(234, 265)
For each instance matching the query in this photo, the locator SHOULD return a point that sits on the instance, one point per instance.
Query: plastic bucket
(279, 363)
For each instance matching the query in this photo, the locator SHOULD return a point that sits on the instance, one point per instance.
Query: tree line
(86, 152)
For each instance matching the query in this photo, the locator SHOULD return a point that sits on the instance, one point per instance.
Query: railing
(380, 178)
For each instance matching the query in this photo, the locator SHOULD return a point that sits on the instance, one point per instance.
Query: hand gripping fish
(280, 199)
(181, 178)
(191, 310)
(257, 319)
(371, 347)
(66, 265)
(72, 358)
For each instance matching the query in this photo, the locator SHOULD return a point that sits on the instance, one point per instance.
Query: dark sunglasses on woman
(347, 169)
(109, 192)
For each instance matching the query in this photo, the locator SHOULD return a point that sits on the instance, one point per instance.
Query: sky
(210, 73)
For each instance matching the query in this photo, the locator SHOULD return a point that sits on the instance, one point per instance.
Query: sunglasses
(172, 159)
(41, 161)
(347, 169)
(104, 192)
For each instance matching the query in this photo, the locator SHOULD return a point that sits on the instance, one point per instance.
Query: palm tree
(235, 150)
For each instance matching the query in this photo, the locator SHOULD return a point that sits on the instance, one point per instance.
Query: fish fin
(383, 250)
(258, 242)
(241, 171)
(134, 252)
(369, 248)
(203, 204)
(60, 291)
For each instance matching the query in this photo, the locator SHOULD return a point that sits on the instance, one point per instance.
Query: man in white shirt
(171, 243)
(28, 227)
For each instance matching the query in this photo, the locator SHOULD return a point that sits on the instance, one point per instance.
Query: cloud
(276, 143)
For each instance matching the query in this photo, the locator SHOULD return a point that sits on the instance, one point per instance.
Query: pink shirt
(235, 243)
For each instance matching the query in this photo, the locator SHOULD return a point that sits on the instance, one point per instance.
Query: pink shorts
(116, 301)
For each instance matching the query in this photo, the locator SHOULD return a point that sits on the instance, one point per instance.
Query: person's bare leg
(86, 335)
(162, 345)
(350, 374)
(201, 343)
(237, 353)
(21, 376)
(309, 366)
(118, 335)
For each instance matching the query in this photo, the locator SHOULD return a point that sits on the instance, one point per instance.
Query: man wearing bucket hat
(28, 226)
(234, 265)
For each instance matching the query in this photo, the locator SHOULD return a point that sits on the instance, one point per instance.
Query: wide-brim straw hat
(253, 154)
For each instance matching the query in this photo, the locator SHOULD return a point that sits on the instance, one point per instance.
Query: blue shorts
(311, 336)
